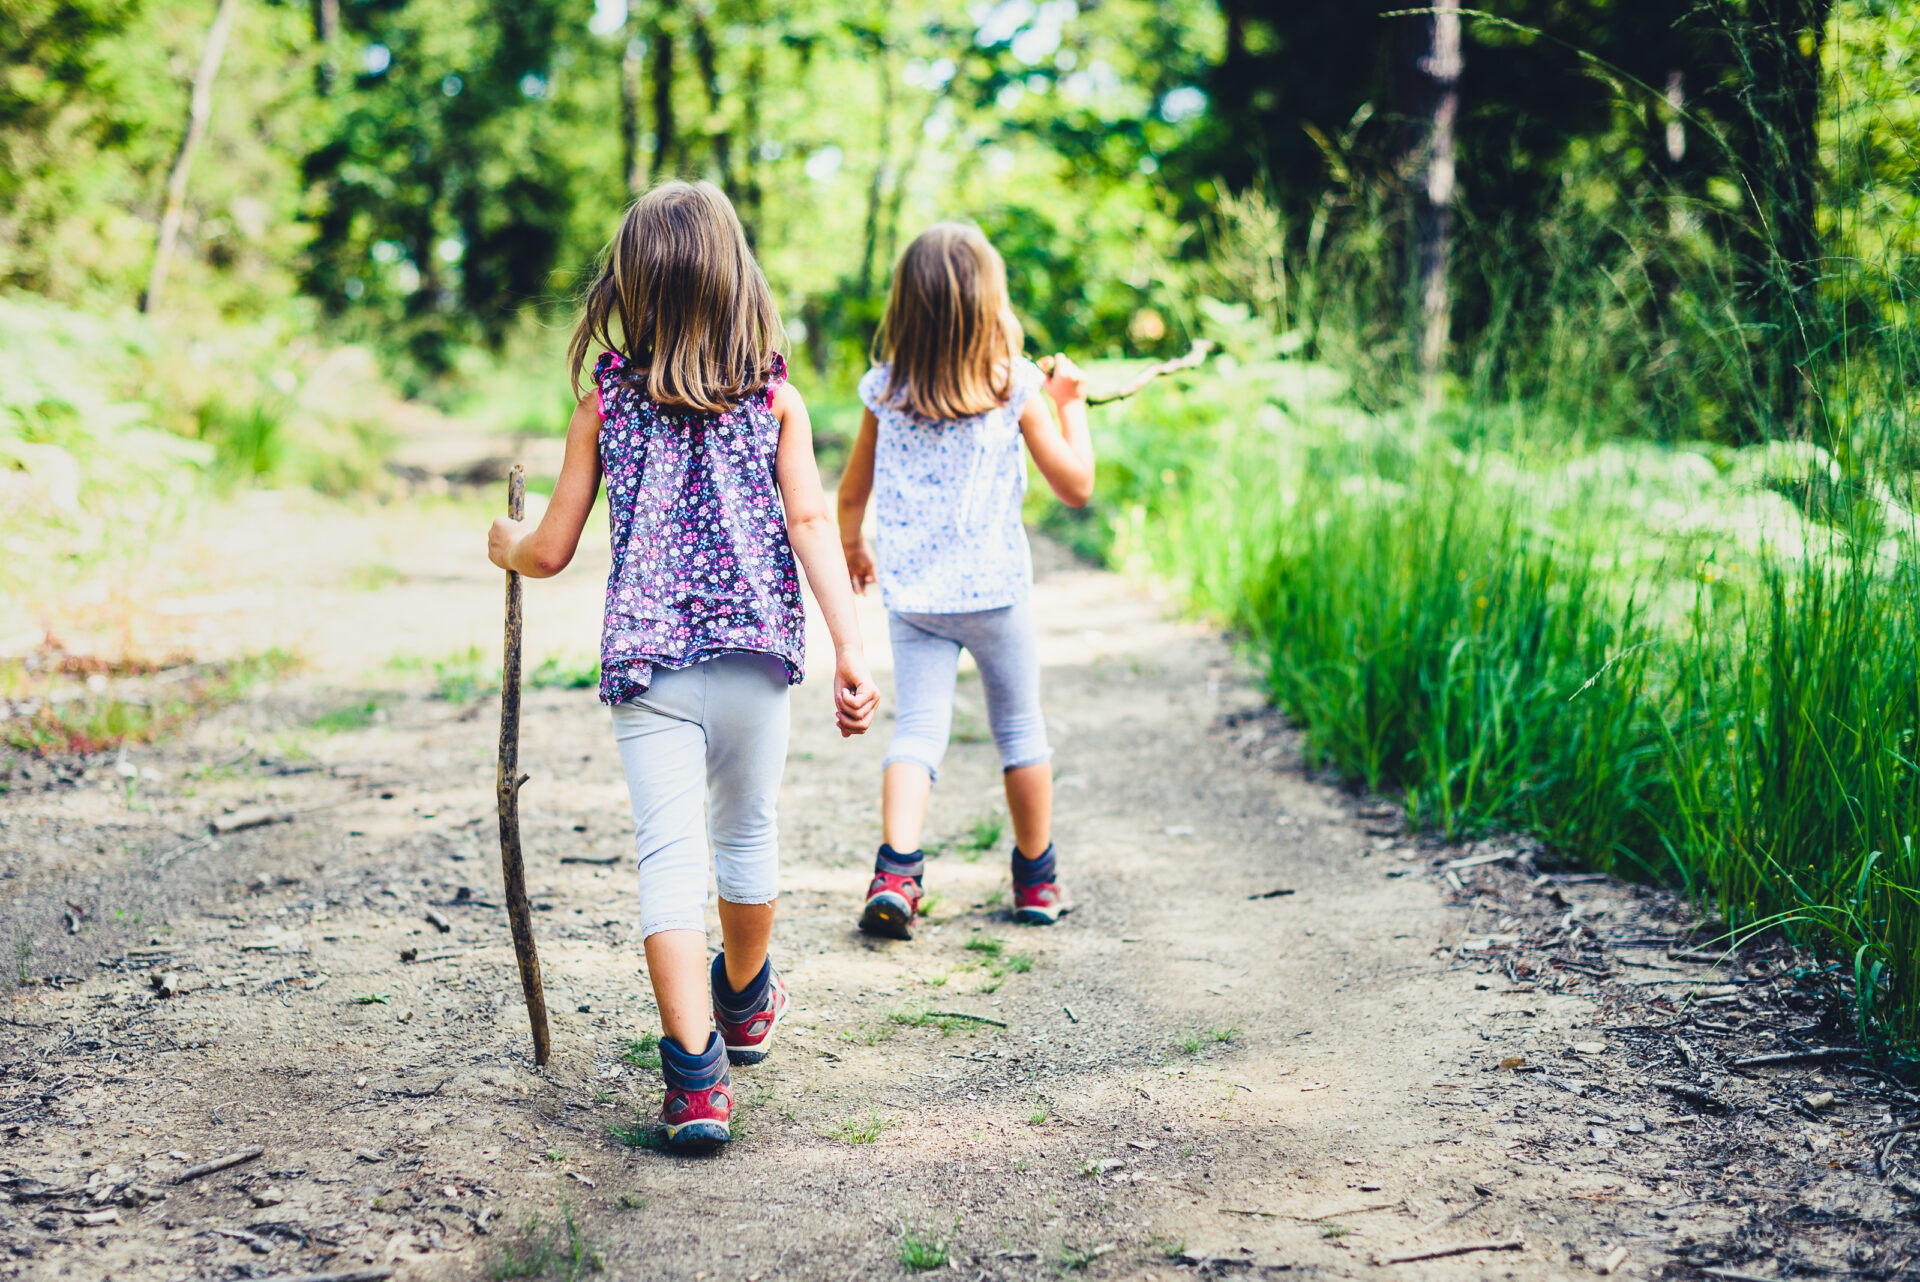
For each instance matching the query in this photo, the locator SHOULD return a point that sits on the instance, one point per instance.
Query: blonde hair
(948, 332)
(696, 316)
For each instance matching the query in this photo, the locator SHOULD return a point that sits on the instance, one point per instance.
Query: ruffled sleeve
(1027, 379)
(776, 375)
(873, 387)
(602, 369)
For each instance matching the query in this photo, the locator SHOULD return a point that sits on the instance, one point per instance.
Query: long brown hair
(693, 309)
(949, 332)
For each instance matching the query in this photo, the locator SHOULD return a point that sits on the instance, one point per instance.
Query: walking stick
(1195, 357)
(507, 788)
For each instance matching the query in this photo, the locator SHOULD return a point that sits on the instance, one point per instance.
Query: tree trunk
(1676, 115)
(631, 171)
(326, 30)
(882, 165)
(666, 141)
(751, 195)
(720, 140)
(1439, 70)
(916, 149)
(199, 109)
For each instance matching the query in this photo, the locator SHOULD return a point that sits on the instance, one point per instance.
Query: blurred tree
(199, 108)
(1311, 101)
(444, 193)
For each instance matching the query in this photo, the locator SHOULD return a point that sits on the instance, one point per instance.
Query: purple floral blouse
(701, 562)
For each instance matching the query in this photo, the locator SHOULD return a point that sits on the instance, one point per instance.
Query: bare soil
(1277, 1036)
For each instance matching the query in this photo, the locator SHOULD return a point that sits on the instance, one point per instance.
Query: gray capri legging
(926, 660)
(703, 750)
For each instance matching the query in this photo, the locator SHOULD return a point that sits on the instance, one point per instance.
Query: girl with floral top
(712, 492)
(950, 402)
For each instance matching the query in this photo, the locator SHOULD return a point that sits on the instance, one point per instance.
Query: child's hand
(854, 697)
(502, 536)
(1065, 383)
(860, 568)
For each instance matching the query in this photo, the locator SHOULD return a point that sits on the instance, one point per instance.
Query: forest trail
(1190, 1072)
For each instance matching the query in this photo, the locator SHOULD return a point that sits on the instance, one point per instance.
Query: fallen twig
(258, 1243)
(1797, 1057)
(1887, 1132)
(220, 1163)
(960, 1014)
(1308, 1219)
(1456, 1248)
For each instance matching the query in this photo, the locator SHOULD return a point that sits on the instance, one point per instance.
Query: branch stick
(960, 1014)
(1457, 1248)
(220, 1163)
(507, 790)
(1195, 357)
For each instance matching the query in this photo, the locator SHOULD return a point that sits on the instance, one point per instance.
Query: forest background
(1558, 468)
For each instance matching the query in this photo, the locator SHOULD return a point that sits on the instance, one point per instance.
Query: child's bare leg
(904, 791)
(746, 930)
(1030, 802)
(677, 965)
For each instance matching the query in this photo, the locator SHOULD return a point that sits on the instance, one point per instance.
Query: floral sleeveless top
(701, 562)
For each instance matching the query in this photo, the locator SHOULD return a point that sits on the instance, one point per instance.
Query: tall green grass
(1551, 640)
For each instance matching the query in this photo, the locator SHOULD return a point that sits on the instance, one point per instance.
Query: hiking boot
(1040, 904)
(696, 1115)
(892, 902)
(747, 1024)
(1038, 897)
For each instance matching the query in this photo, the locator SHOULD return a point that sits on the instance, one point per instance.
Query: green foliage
(983, 834)
(926, 1248)
(987, 944)
(460, 677)
(556, 673)
(352, 716)
(562, 1250)
(1667, 664)
(863, 1130)
(643, 1053)
(56, 702)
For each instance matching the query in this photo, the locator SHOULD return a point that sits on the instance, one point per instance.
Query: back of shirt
(947, 495)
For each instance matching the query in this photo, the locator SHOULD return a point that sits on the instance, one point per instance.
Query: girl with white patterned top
(950, 404)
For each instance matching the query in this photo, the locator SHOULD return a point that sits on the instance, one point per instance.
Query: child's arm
(1064, 456)
(542, 551)
(810, 531)
(856, 487)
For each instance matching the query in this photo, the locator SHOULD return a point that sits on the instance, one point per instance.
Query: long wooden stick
(1195, 357)
(506, 785)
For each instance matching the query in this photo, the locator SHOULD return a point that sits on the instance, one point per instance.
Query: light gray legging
(704, 749)
(926, 658)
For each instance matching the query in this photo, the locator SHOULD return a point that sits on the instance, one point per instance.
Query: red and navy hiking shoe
(892, 901)
(748, 1034)
(696, 1115)
(1040, 904)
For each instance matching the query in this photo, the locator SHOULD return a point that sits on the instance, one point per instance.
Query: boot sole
(888, 919)
(698, 1137)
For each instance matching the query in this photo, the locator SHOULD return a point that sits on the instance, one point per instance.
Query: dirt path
(1189, 1073)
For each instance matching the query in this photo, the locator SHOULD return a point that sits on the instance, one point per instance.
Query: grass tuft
(922, 1249)
(643, 1052)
